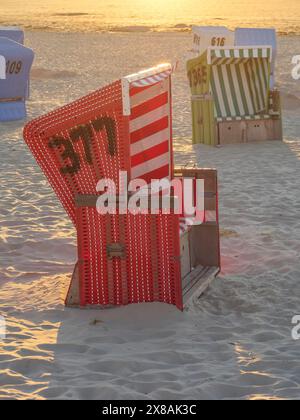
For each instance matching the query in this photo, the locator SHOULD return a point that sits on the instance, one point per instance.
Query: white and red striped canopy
(147, 100)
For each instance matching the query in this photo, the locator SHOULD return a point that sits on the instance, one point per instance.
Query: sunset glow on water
(142, 15)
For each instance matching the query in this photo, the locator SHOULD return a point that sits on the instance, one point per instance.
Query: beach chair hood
(240, 80)
(125, 126)
(13, 33)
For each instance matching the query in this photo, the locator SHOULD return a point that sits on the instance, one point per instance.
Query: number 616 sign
(205, 37)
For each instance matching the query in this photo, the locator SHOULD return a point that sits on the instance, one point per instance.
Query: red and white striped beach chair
(125, 258)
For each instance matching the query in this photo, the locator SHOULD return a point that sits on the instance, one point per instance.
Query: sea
(149, 15)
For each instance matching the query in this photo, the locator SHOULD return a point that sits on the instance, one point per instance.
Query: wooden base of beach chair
(200, 260)
(73, 295)
(194, 285)
(248, 131)
(197, 282)
(148, 262)
(200, 246)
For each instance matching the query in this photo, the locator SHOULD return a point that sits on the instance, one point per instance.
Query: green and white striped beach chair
(231, 96)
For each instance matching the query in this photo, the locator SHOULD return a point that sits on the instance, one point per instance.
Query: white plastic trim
(128, 80)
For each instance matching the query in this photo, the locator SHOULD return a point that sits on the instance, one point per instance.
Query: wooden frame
(200, 246)
(249, 131)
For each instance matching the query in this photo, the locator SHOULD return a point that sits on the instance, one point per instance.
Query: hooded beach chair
(126, 258)
(13, 33)
(210, 36)
(16, 62)
(231, 96)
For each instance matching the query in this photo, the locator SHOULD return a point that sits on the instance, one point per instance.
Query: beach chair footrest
(197, 282)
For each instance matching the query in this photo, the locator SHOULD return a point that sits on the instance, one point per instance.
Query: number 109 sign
(9, 67)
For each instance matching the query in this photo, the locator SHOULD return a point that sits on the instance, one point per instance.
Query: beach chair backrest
(257, 36)
(210, 36)
(90, 139)
(14, 85)
(81, 143)
(240, 80)
(13, 33)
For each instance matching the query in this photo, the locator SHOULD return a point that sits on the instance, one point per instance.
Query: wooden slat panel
(197, 282)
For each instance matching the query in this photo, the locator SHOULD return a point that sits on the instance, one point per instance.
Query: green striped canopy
(240, 80)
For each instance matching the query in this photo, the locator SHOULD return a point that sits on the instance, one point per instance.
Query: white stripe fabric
(149, 118)
(148, 81)
(150, 141)
(145, 95)
(245, 117)
(228, 90)
(139, 171)
(237, 89)
(245, 85)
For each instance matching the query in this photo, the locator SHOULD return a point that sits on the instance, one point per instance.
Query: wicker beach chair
(126, 258)
(231, 97)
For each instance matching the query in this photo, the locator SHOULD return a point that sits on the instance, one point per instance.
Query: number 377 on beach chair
(126, 257)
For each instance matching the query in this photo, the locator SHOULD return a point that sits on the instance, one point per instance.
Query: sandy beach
(234, 343)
